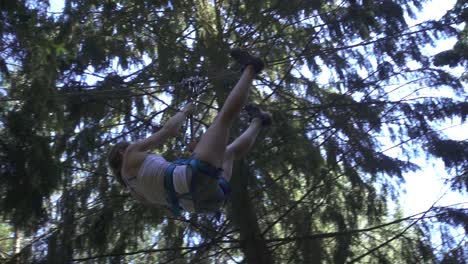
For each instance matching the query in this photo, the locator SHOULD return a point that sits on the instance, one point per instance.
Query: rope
(195, 86)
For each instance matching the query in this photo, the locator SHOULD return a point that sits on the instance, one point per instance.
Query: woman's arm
(170, 129)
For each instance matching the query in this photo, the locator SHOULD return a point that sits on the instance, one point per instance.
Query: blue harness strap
(225, 186)
(170, 190)
(199, 169)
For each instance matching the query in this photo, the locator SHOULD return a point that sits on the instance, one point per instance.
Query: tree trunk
(243, 214)
(17, 244)
(216, 50)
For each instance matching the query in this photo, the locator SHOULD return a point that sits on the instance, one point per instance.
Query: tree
(316, 187)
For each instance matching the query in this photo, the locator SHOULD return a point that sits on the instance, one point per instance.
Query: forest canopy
(341, 78)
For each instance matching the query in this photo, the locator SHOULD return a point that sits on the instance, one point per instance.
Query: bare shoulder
(132, 160)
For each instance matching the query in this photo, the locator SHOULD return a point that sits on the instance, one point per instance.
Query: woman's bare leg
(212, 145)
(239, 147)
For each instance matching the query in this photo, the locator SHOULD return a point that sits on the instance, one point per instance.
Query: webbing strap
(224, 186)
(205, 167)
(169, 185)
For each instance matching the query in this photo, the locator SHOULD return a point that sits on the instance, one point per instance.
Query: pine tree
(317, 185)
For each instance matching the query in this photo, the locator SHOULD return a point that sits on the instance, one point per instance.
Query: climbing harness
(201, 173)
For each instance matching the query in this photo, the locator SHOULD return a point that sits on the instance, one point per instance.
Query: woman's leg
(239, 147)
(212, 145)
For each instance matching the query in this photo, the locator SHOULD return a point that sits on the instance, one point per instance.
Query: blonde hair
(115, 160)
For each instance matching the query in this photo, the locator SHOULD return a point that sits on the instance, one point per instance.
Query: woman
(198, 184)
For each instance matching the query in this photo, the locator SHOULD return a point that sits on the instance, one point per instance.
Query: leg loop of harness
(170, 190)
(205, 168)
(199, 169)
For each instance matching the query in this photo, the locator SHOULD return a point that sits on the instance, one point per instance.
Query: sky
(424, 187)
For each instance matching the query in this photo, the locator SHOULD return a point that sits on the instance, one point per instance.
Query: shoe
(244, 59)
(255, 112)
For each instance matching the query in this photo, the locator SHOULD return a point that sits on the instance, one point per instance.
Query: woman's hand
(189, 108)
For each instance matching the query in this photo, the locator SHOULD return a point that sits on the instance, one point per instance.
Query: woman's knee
(230, 153)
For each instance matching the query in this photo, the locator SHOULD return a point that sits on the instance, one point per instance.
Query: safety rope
(195, 86)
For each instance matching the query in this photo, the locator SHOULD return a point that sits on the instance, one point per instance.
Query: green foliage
(317, 185)
(6, 241)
